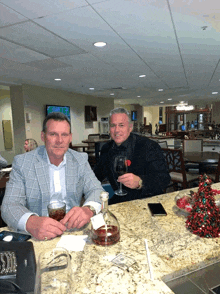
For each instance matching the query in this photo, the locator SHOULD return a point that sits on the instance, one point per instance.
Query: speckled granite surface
(173, 249)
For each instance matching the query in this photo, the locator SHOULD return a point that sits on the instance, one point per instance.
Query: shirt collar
(63, 163)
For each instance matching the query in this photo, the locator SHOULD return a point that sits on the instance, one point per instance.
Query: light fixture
(142, 76)
(112, 94)
(169, 99)
(160, 90)
(214, 93)
(91, 89)
(57, 79)
(100, 44)
(139, 96)
(185, 107)
(161, 101)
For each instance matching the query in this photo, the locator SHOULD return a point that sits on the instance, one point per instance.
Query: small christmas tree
(204, 219)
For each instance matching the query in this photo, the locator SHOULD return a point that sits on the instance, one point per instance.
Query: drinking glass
(54, 272)
(120, 168)
(57, 210)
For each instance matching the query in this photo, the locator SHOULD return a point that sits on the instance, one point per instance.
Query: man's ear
(42, 135)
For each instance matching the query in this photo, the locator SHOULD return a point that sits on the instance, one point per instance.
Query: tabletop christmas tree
(204, 219)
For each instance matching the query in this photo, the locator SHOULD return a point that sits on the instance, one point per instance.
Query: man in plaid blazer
(50, 171)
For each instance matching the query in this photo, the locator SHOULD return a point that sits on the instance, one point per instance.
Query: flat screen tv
(57, 108)
(134, 115)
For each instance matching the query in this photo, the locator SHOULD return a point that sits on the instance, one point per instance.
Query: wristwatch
(140, 184)
(91, 208)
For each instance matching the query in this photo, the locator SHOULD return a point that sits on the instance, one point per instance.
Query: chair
(213, 171)
(176, 166)
(192, 145)
(98, 147)
(104, 136)
(163, 144)
(91, 144)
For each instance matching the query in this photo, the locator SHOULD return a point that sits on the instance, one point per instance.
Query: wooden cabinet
(90, 113)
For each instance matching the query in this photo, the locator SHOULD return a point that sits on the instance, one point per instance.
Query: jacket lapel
(42, 172)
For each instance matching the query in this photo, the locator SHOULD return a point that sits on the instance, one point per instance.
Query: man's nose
(116, 128)
(59, 139)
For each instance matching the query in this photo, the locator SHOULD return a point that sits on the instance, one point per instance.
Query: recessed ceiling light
(142, 76)
(91, 89)
(57, 79)
(112, 94)
(161, 101)
(139, 96)
(160, 90)
(169, 99)
(214, 93)
(100, 44)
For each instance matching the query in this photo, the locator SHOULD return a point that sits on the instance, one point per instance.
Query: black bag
(17, 267)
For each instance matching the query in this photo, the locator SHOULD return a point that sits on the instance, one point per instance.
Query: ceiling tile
(32, 36)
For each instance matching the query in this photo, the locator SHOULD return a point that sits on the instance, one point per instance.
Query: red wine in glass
(120, 168)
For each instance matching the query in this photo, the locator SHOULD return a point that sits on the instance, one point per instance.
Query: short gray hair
(120, 110)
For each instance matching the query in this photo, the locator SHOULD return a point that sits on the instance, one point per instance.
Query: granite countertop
(173, 250)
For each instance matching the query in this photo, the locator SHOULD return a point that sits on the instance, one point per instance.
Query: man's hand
(129, 180)
(41, 227)
(77, 217)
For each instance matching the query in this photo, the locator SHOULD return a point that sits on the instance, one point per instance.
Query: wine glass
(54, 274)
(120, 168)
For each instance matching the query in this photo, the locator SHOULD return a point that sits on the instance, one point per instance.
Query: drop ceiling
(174, 43)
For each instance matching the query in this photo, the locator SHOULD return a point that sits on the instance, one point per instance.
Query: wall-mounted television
(57, 108)
(133, 115)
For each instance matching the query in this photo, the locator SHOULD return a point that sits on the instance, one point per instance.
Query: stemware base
(120, 193)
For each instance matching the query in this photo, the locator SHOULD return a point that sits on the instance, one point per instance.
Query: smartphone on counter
(14, 236)
(157, 209)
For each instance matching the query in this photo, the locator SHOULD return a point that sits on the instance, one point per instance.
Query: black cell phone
(16, 236)
(157, 209)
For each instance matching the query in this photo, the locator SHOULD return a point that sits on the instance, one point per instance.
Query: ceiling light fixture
(185, 107)
(57, 79)
(91, 89)
(139, 96)
(169, 99)
(112, 94)
(160, 90)
(100, 44)
(214, 93)
(161, 101)
(142, 76)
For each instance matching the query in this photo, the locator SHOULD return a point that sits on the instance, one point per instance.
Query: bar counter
(173, 250)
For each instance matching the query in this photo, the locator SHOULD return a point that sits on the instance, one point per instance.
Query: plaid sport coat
(28, 188)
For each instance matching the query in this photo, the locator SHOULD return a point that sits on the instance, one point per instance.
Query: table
(173, 250)
(202, 158)
(90, 141)
(83, 146)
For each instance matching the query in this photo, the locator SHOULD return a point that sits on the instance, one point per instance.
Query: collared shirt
(58, 182)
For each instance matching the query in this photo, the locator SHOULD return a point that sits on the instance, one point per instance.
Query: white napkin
(73, 243)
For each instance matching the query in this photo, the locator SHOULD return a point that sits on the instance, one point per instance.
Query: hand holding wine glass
(120, 168)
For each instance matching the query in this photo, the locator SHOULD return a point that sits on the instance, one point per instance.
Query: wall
(215, 112)
(5, 114)
(152, 115)
(36, 98)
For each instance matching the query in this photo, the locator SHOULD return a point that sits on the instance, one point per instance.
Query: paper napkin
(72, 242)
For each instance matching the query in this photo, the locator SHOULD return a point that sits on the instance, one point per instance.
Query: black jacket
(147, 162)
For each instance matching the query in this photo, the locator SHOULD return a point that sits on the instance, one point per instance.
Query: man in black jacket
(147, 174)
